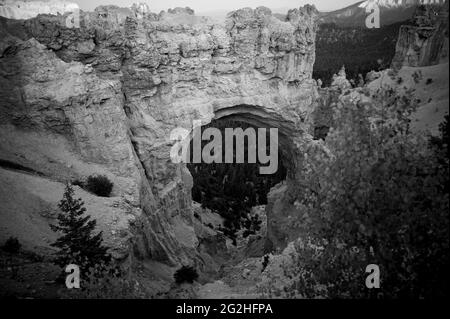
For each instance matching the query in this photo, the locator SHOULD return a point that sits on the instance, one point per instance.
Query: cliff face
(425, 41)
(16, 9)
(112, 90)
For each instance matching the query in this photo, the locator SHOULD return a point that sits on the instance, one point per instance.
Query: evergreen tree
(77, 244)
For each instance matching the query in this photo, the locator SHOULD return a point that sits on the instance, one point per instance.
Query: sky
(218, 5)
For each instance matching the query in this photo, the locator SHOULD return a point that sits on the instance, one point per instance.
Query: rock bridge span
(116, 87)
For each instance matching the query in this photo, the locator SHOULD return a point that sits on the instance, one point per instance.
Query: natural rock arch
(291, 144)
(149, 74)
(255, 67)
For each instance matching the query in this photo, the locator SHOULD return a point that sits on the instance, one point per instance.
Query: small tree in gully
(77, 244)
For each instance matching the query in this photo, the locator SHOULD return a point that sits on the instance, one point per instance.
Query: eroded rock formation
(19, 9)
(103, 98)
(424, 42)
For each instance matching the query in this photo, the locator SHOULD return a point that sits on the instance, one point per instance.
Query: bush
(417, 76)
(252, 225)
(100, 185)
(12, 245)
(185, 274)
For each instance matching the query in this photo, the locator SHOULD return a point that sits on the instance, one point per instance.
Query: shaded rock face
(113, 90)
(425, 41)
(60, 120)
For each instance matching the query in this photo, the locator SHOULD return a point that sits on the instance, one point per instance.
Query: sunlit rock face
(14, 9)
(62, 121)
(425, 41)
(115, 88)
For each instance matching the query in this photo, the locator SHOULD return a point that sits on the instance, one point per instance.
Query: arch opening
(238, 191)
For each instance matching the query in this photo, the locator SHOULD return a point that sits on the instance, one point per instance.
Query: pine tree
(77, 244)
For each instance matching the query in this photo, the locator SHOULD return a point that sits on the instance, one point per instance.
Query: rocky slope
(103, 98)
(420, 63)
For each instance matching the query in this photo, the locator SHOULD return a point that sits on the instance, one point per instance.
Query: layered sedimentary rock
(424, 42)
(61, 121)
(15, 9)
(113, 89)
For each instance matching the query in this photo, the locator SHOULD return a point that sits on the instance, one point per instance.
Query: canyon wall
(23, 9)
(103, 98)
(424, 41)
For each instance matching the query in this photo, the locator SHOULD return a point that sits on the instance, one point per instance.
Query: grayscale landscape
(98, 105)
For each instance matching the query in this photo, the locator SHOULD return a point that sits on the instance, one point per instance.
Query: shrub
(100, 185)
(429, 81)
(12, 245)
(252, 225)
(380, 196)
(185, 274)
(417, 76)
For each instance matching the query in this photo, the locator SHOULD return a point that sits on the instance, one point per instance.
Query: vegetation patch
(12, 245)
(383, 199)
(231, 190)
(100, 185)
